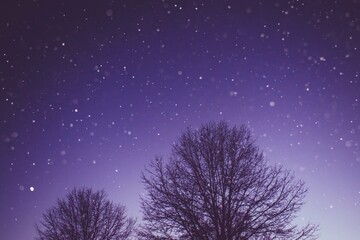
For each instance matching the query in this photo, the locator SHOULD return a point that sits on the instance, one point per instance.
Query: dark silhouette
(217, 185)
(85, 215)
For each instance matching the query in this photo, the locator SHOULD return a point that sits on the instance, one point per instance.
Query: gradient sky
(91, 91)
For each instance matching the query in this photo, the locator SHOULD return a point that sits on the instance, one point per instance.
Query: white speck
(348, 144)
(32, 189)
(180, 72)
(76, 110)
(109, 13)
(14, 135)
(272, 104)
(233, 93)
(322, 59)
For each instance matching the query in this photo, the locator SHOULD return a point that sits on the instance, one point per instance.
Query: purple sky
(91, 91)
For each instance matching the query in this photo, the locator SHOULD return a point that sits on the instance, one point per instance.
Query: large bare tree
(217, 185)
(85, 215)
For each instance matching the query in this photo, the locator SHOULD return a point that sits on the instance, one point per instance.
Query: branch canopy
(217, 185)
(85, 214)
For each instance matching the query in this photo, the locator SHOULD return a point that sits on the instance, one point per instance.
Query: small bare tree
(217, 185)
(85, 215)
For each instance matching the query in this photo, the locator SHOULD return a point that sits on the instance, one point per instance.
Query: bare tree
(85, 215)
(217, 185)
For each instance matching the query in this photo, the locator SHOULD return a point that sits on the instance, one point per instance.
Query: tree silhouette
(85, 215)
(217, 185)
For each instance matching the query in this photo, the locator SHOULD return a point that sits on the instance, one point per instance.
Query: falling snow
(90, 93)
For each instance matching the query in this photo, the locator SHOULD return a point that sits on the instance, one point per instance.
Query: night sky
(91, 91)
